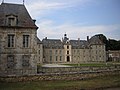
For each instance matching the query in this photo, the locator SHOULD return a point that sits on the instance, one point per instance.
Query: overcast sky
(77, 18)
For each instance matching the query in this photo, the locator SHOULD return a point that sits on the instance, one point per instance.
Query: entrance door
(68, 59)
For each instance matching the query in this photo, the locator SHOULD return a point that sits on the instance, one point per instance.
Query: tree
(111, 44)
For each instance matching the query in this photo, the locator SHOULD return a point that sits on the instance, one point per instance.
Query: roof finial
(65, 34)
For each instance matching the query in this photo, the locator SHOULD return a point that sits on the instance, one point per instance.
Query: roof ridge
(12, 4)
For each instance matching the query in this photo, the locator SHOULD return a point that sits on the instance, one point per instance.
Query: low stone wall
(62, 70)
(64, 73)
(48, 77)
(18, 72)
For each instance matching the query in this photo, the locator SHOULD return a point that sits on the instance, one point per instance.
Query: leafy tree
(111, 44)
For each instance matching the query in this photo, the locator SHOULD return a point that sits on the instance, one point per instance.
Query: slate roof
(76, 44)
(79, 44)
(95, 40)
(19, 10)
(52, 43)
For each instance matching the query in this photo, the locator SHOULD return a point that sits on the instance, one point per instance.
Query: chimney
(34, 20)
(78, 40)
(45, 38)
(88, 38)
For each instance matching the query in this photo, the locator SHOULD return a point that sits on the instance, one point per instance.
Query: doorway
(68, 58)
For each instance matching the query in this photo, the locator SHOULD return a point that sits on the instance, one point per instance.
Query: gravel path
(55, 65)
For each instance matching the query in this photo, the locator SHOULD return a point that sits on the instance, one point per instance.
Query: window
(50, 58)
(39, 51)
(10, 61)
(56, 58)
(39, 58)
(50, 52)
(67, 52)
(11, 20)
(39, 45)
(68, 59)
(60, 51)
(25, 40)
(25, 60)
(96, 51)
(67, 47)
(60, 58)
(56, 51)
(74, 51)
(11, 40)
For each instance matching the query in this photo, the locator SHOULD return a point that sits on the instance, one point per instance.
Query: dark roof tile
(19, 10)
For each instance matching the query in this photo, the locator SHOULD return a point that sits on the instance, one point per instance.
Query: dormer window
(11, 20)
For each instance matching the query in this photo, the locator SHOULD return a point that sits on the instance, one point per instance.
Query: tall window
(10, 61)
(25, 40)
(67, 47)
(60, 51)
(67, 52)
(11, 40)
(25, 60)
(56, 51)
(56, 58)
(60, 58)
(39, 51)
(50, 52)
(50, 58)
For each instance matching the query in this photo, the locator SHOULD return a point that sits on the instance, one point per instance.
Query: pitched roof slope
(79, 44)
(95, 40)
(52, 43)
(19, 10)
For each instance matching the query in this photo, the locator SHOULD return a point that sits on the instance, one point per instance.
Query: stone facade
(73, 51)
(39, 51)
(21, 50)
(53, 51)
(18, 41)
(114, 55)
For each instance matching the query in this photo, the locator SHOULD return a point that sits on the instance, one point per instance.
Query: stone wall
(48, 70)
(17, 57)
(48, 77)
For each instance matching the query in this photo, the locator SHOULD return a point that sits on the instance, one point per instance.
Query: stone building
(114, 55)
(53, 51)
(18, 54)
(39, 51)
(73, 51)
(21, 50)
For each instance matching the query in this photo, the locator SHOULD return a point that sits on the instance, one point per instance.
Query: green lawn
(106, 81)
(94, 64)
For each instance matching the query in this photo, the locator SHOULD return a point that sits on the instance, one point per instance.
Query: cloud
(40, 8)
(49, 29)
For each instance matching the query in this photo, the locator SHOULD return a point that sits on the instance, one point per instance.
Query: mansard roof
(79, 44)
(18, 10)
(52, 43)
(95, 40)
(76, 44)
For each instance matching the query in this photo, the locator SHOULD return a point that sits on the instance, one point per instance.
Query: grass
(98, 82)
(91, 64)
(94, 64)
